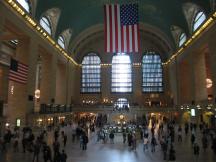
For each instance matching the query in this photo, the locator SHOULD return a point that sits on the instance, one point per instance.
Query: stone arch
(53, 15)
(190, 10)
(66, 34)
(176, 32)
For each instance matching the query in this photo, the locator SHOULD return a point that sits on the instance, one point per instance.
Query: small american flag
(18, 72)
(121, 28)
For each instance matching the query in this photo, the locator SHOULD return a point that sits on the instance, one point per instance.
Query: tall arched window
(91, 74)
(45, 23)
(152, 73)
(25, 4)
(61, 41)
(121, 73)
(198, 20)
(182, 39)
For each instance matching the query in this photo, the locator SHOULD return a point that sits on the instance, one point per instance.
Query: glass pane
(199, 19)
(182, 39)
(24, 4)
(152, 73)
(61, 42)
(121, 73)
(91, 74)
(44, 22)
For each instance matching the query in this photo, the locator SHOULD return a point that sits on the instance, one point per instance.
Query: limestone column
(212, 54)
(173, 75)
(33, 58)
(53, 77)
(186, 80)
(3, 79)
(106, 76)
(166, 98)
(61, 83)
(192, 77)
(73, 83)
(4, 69)
(200, 77)
(137, 83)
(48, 80)
(1, 29)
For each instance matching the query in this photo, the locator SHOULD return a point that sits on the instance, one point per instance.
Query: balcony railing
(54, 108)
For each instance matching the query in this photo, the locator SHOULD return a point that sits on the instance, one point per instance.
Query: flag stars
(129, 14)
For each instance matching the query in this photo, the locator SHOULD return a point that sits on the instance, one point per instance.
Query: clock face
(208, 83)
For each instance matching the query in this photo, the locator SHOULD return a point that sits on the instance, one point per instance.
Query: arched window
(122, 103)
(121, 73)
(198, 20)
(91, 74)
(25, 4)
(182, 39)
(152, 73)
(45, 23)
(61, 42)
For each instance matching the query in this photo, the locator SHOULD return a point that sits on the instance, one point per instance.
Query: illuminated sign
(193, 112)
(18, 122)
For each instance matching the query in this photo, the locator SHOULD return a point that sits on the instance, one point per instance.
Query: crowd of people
(153, 134)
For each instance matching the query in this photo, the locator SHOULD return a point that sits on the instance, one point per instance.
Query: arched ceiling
(82, 14)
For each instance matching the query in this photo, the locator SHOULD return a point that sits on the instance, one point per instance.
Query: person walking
(124, 137)
(179, 134)
(214, 145)
(36, 151)
(172, 156)
(63, 156)
(134, 141)
(204, 142)
(112, 136)
(85, 141)
(192, 139)
(196, 151)
(47, 153)
(145, 144)
(56, 147)
(65, 140)
(16, 143)
(129, 139)
(164, 149)
(153, 143)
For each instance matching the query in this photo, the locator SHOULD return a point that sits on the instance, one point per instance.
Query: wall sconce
(37, 93)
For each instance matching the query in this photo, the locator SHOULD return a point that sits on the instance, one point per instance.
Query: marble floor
(117, 152)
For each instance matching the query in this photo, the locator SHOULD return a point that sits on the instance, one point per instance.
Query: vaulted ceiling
(82, 14)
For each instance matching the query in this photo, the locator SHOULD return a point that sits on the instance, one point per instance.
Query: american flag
(121, 28)
(18, 72)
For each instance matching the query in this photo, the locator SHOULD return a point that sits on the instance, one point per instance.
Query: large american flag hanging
(18, 72)
(121, 28)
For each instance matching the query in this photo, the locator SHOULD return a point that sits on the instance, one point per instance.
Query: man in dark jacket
(85, 141)
(63, 156)
(47, 153)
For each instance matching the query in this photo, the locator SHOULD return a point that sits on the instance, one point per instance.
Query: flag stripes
(18, 72)
(120, 37)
